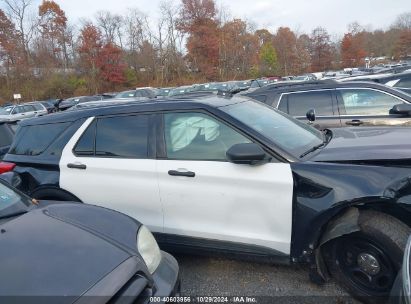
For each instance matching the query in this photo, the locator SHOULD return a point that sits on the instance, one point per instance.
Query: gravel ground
(207, 276)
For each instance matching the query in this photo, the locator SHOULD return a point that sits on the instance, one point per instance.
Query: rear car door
(368, 107)
(206, 198)
(297, 104)
(109, 162)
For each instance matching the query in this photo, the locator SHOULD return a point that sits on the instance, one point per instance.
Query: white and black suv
(235, 176)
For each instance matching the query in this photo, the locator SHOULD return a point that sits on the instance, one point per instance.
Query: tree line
(43, 55)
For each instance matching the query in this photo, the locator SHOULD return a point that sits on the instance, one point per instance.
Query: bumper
(166, 277)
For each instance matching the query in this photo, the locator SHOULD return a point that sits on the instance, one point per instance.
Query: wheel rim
(366, 265)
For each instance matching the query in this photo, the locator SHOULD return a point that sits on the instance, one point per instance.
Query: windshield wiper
(326, 140)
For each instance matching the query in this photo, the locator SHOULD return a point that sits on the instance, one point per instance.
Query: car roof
(166, 104)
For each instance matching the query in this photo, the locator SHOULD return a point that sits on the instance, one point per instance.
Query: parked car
(65, 104)
(400, 81)
(50, 106)
(163, 92)
(139, 92)
(7, 131)
(220, 174)
(22, 111)
(70, 252)
(339, 104)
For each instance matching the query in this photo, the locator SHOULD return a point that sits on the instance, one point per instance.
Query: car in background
(163, 92)
(339, 104)
(65, 104)
(22, 111)
(101, 103)
(182, 90)
(50, 106)
(7, 131)
(73, 252)
(138, 93)
(228, 174)
(400, 81)
(306, 77)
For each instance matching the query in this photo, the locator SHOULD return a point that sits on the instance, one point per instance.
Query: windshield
(11, 202)
(5, 111)
(284, 131)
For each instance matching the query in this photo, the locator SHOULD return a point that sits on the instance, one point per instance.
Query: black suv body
(337, 104)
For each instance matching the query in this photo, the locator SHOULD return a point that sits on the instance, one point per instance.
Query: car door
(205, 197)
(18, 113)
(368, 107)
(109, 162)
(297, 104)
(29, 111)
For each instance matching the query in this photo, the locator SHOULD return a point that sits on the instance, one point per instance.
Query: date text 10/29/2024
(203, 300)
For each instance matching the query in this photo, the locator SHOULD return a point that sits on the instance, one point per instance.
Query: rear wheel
(366, 263)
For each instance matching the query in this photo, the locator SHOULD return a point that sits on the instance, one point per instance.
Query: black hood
(62, 249)
(368, 144)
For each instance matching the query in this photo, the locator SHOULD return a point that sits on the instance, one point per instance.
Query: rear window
(300, 103)
(33, 140)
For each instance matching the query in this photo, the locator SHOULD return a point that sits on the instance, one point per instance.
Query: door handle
(180, 173)
(355, 123)
(77, 166)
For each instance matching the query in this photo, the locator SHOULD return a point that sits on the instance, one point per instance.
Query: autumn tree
(285, 43)
(352, 54)
(53, 26)
(90, 44)
(197, 18)
(111, 66)
(403, 45)
(321, 50)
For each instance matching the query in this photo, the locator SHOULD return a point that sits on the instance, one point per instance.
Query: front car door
(110, 162)
(209, 199)
(368, 107)
(297, 104)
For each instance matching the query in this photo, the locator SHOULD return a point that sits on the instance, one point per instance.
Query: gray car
(22, 111)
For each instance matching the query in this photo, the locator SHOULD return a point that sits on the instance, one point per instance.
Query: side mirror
(401, 109)
(247, 154)
(311, 115)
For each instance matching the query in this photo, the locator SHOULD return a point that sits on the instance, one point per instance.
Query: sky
(300, 15)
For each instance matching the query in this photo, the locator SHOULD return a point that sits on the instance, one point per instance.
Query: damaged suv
(231, 175)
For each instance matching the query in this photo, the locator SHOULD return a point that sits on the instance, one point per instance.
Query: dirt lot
(204, 276)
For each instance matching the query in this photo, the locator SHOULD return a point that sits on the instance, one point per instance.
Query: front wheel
(366, 263)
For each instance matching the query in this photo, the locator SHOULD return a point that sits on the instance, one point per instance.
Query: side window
(28, 108)
(139, 93)
(404, 83)
(85, 145)
(33, 140)
(16, 110)
(38, 107)
(300, 103)
(367, 102)
(196, 136)
(282, 106)
(123, 136)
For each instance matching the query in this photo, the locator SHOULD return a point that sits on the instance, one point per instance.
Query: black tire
(366, 263)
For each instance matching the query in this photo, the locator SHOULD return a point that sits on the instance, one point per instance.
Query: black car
(50, 106)
(228, 174)
(66, 252)
(7, 131)
(338, 104)
(400, 81)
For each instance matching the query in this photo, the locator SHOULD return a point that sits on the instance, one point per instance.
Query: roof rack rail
(299, 84)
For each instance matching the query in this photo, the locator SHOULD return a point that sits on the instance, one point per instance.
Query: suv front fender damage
(331, 206)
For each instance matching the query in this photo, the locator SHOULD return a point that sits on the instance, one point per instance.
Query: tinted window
(404, 83)
(262, 98)
(85, 146)
(33, 140)
(300, 103)
(367, 102)
(28, 109)
(140, 93)
(196, 136)
(38, 107)
(125, 136)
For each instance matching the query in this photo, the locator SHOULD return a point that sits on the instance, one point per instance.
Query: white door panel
(229, 202)
(126, 185)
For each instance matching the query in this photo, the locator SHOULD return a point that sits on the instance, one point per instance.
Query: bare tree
(403, 21)
(110, 25)
(25, 20)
